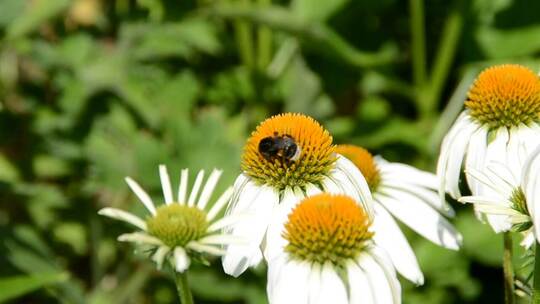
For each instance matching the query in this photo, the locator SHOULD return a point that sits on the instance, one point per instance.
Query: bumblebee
(283, 148)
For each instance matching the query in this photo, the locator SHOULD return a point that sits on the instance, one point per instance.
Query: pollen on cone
(505, 95)
(315, 152)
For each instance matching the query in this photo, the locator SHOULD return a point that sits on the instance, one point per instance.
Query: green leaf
(13, 287)
(521, 41)
(37, 12)
(315, 10)
(8, 172)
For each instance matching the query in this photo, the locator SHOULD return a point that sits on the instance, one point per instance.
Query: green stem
(264, 40)
(536, 284)
(508, 269)
(418, 42)
(182, 286)
(244, 38)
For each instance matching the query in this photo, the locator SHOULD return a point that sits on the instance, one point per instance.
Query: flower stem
(536, 284)
(182, 286)
(508, 269)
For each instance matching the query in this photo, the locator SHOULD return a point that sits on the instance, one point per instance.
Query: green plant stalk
(418, 42)
(536, 283)
(244, 39)
(508, 269)
(264, 41)
(182, 286)
(443, 62)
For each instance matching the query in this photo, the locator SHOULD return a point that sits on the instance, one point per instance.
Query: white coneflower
(288, 157)
(182, 228)
(502, 111)
(329, 255)
(511, 201)
(410, 195)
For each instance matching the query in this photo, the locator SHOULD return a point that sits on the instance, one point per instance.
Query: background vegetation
(94, 90)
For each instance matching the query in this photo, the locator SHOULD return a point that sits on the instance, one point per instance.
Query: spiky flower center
(505, 95)
(288, 150)
(364, 161)
(327, 227)
(177, 225)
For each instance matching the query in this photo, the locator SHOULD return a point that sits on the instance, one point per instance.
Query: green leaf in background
(497, 44)
(314, 10)
(17, 286)
(36, 13)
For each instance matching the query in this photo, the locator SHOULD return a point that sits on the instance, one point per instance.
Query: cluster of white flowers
(322, 216)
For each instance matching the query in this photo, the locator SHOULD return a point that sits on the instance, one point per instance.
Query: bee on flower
(502, 113)
(330, 255)
(180, 229)
(287, 158)
(410, 195)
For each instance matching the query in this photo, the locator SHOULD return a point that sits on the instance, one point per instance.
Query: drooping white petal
(455, 159)
(181, 259)
(382, 290)
(409, 209)
(496, 149)
(475, 158)
(165, 184)
(219, 204)
(257, 202)
(311, 190)
(273, 275)
(531, 188)
(332, 288)
(160, 255)
(195, 189)
(140, 238)
(384, 262)
(484, 200)
(226, 221)
(142, 195)
(209, 188)
(397, 171)
(359, 288)
(221, 239)
(182, 187)
(353, 175)
(275, 242)
(203, 248)
(122, 215)
(291, 285)
(388, 235)
(314, 284)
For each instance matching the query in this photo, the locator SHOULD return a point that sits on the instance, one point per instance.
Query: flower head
(288, 157)
(180, 229)
(329, 256)
(409, 195)
(502, 112)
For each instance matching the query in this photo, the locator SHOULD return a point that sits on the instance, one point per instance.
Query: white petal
(457, 154)
(165, 184)
(312, 190)
(314, 284)
(273, 275)
(221, 239)
(421, 218)
(355, 177)
(142, 195)
(496, 149)
(397, 171)
(391, 239)
(139, 238)
(226, 221)
(181, 259)
(219, 204)
(275, 242)
(209, 188)
(531, 188)
(159, 256)
(258, 202)
(359, 287)
(195, 189)
(123, 216)
(291, 285)
(475, 158)
(203, 248)
(182, 187)
(332, 288)
(382, 276)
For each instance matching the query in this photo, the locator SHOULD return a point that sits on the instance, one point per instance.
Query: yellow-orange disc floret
(315, 155)
(363, 160)
(505, 95)
(327, 227)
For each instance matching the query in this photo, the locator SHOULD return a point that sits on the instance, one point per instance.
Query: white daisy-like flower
(502, 111)
(330, 255)
(288, 157)
(511, 201)
(182, 228)
(410, 195)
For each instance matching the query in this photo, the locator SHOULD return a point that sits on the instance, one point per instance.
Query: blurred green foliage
(93, 90)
